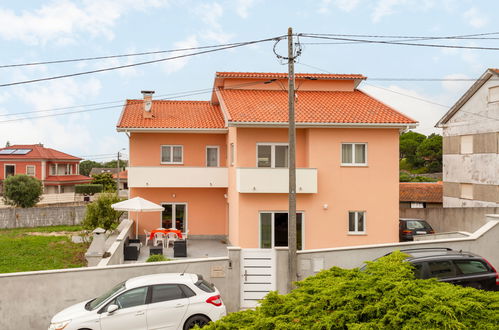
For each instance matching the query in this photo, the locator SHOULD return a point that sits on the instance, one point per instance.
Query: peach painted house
(219, 167)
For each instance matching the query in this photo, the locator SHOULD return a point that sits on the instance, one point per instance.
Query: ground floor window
(274, 229)
(174, 216)
(356, 222)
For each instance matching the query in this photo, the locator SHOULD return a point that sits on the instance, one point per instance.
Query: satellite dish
(147, 106)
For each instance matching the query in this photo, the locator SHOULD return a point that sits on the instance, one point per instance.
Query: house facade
(58, 171)
(219, 167)
(471, 146)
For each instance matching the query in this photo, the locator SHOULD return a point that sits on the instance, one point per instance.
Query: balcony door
(174, 216)
(274, 229)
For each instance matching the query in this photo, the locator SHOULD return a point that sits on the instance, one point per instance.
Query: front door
(174, 216)
(274, 229)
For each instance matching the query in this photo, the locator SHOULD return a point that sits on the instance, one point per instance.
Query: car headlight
(59, 325)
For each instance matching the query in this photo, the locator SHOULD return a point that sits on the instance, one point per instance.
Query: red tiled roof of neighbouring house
(421, 192)
(36, 151)
(495, 70)
(67, 178)
(122, 175)
(277, 75)
(311, 107)
(172, 114)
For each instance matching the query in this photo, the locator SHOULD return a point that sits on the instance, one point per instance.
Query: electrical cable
(138, 63)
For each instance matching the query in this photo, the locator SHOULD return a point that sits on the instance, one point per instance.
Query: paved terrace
(196, 248)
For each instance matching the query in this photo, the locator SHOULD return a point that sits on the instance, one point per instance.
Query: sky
(47, 30)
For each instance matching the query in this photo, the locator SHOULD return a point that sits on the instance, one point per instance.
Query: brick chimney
(147, 103)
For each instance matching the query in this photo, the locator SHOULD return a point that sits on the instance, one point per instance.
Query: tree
(112, 164)
(100, 213)
(87, 165)
(409, 143)
(22, 190)
(430, 151)
(106, 180)
(384, 296)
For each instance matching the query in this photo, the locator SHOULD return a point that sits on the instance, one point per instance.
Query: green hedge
(88, 189)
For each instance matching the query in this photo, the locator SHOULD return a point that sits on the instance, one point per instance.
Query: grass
(20, 251)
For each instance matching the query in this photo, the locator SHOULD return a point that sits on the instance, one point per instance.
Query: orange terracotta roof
(421, 192)
(37, 152)
(311, 107)
(277, 75)
(495, 70)
(122, 175)
(52, 179)
(172, 114)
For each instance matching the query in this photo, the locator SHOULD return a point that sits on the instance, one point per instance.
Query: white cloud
(242, 7)
(475, 18)
(211, 14)
(385, 8)
(62, 21)
(177, 64)
(344, 5)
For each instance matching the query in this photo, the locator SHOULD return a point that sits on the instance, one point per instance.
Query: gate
(258, 275)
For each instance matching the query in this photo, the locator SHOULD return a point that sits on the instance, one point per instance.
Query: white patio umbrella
(137, 204)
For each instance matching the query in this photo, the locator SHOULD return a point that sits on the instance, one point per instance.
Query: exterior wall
(478, 168)
(303, 84)
(21, 167)
(206, 208)
(372, 188)
(145, 148)
(233, 195)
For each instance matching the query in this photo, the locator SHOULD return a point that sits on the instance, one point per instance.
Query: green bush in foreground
(157, 257)
(385, 296)
(99, 213)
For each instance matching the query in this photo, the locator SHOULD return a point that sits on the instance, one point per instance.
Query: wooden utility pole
(118, 176)
(292, 164)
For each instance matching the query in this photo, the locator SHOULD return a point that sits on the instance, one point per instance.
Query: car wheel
(199, 320)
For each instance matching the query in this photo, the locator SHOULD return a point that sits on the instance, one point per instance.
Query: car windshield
(93, 304)
(415, 224)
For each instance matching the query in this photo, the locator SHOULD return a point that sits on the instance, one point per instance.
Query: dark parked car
(410, 227)
(456, 267)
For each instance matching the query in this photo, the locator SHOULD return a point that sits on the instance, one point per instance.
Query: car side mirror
(112, 308)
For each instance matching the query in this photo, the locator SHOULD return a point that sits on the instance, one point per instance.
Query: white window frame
(417, 205)
(272, 153)
(171, 153)
(5, 170)
(466, 191)
(174, 204)
(353, 154)
(218, 155)
(272, 228)
(34, 170)
(356, 231)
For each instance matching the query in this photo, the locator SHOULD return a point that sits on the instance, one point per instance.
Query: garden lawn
(21, 251)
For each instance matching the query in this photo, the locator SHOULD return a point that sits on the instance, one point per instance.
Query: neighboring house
(471, 146)
(58, 171)
(123, 175)
(417, 195)
(219, 167)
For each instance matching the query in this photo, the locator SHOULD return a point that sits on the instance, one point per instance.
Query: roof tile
(421, 192)
(278, 75)
(38, 151)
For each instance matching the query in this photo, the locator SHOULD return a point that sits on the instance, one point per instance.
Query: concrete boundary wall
(30, 299)
(41, 216)
(453, 218)
(484, 242)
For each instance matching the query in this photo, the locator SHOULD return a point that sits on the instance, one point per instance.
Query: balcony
(177, 177)
(275, 180)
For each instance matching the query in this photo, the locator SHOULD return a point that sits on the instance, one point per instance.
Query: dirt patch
(54, 233)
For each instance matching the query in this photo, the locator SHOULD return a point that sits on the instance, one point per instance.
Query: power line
(137, 64)
(466, 36)
(393, 43)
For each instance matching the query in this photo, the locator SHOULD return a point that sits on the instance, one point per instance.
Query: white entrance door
(258, 272)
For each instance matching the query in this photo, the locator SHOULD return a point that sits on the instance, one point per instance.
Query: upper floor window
(354, 154)
(356, 222)
(466, 144)
(30, 170)
(171, 154)
(494, 94)
(212, 156)
(272, 155)
(61, 169)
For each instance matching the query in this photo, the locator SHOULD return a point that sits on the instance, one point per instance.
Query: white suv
(160, 301)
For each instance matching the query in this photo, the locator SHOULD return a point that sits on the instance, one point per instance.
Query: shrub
(88, 189)
(22, 190)
(157, 257)
(106, 180)
(384, 296)
(100, 213)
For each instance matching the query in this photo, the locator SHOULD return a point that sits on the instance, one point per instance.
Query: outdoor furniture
(159, 237)
(166, 231)
(155, 250)
(171, 237)
(184, 235)
(180, 249)
(148, 235)
(131, 249)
